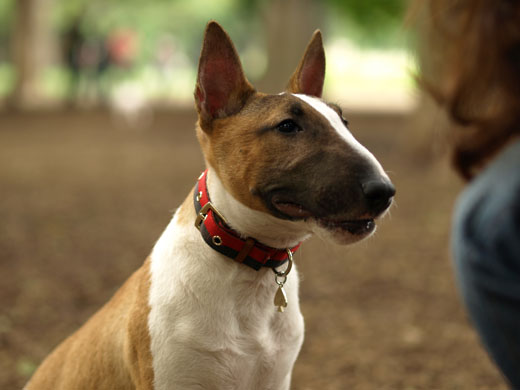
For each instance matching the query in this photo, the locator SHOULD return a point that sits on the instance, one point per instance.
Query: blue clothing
(486, 248)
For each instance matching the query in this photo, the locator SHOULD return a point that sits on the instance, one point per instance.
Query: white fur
(213, 324)
(338, 125)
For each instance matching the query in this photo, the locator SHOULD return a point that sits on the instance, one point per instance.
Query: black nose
(378, 194)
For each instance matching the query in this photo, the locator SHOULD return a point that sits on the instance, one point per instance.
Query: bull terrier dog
(206, 310)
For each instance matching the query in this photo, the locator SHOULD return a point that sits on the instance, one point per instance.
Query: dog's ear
(221, 89)
(309, 76)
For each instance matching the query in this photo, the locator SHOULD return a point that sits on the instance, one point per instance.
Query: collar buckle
(203, 213)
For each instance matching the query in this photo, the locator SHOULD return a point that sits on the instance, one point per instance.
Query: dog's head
(290, 155)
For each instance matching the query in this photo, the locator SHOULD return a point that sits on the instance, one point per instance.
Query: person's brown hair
(479, 75)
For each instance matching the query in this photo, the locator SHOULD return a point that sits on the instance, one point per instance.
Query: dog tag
(280, 299)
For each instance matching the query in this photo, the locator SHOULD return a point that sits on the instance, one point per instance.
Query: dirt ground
(83, 199)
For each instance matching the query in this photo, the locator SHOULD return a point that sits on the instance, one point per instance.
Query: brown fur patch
(110, 351)
(256, 159)
(251, 156)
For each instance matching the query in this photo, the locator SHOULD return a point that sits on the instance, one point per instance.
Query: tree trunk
(29, 50)
(289, 25)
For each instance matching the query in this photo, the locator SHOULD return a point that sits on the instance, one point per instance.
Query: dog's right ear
(222, 88)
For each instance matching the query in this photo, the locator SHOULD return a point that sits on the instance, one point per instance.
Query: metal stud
(216, 240)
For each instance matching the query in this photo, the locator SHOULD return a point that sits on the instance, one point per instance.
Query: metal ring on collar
(289, 265)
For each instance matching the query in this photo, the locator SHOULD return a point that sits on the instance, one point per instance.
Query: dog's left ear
(310, 74)
(222, 88)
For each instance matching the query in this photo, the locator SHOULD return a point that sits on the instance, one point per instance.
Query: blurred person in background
(478, 82)
(87, 60)
(73, 41)
(122, 47)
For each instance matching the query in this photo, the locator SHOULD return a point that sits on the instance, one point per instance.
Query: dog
(206, 310)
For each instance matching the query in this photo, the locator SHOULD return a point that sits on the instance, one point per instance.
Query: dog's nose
(378, 194)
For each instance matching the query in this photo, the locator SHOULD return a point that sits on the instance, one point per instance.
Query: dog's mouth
(360, 226)
(356, 227)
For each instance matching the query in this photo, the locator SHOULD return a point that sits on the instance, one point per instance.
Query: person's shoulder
(500, 180)
(488, 210)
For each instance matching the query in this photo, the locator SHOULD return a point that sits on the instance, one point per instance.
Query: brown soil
(83, 198)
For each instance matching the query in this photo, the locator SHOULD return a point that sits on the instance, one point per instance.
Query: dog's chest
(213, 328)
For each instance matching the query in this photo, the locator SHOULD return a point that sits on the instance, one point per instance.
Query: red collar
(218, 235)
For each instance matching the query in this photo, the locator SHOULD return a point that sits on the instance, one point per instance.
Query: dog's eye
(288, 126)
(345, 122)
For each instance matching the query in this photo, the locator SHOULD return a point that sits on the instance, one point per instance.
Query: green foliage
(370, 14)
(370, 22)
(6, 16)
(185, 20)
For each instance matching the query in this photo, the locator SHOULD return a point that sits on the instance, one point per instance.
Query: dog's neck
(263, 227)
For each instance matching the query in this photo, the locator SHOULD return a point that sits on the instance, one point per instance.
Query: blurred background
(97, 149)
(136, 53)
